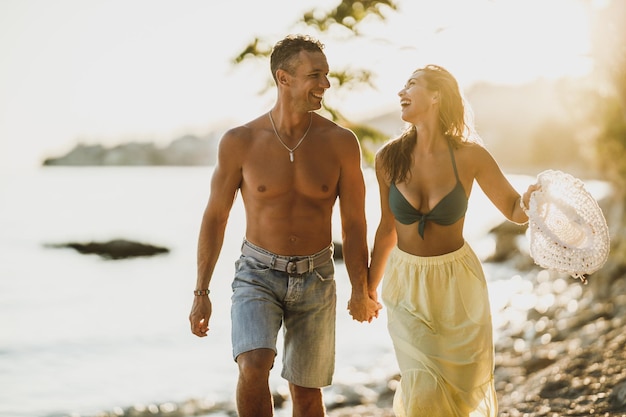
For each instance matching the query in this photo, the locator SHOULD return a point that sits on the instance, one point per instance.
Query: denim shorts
(304, 305)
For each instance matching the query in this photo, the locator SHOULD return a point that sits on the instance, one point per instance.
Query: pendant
(291, 156)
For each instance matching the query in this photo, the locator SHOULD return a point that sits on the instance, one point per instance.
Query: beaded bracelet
(201, 292)
(522, 205)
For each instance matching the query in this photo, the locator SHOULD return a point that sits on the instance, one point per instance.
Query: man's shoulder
(335, 130)
(243, 132)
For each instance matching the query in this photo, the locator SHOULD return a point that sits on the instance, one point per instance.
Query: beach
(84, 336)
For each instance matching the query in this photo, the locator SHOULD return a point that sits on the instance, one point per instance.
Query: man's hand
(200, 315)
(363, 308)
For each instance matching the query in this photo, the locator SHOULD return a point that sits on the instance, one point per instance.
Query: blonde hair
(456, 121)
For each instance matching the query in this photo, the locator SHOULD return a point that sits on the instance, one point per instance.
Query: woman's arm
(496, 186)
(385, 238)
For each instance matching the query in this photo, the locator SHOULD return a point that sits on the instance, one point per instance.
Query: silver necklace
(291, 151)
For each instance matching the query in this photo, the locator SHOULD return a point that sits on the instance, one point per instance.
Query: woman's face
(416, 99)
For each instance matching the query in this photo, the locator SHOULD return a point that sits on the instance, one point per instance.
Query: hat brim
(567, 229)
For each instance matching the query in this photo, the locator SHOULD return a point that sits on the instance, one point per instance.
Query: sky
(114, 71)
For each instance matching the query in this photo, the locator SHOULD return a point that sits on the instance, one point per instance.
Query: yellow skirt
(440, 322)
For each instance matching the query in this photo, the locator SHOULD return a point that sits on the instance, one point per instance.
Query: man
(290, 166)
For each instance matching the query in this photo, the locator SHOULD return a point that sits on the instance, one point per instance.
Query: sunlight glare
(518, 42)
(498, 42)
(553, 38)
(168, 71)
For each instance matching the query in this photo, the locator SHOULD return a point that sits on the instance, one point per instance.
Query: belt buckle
(291, 267)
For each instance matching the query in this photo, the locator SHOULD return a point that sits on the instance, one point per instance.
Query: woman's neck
(429, 139)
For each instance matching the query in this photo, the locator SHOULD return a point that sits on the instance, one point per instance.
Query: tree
(346, 16)
(608, 113)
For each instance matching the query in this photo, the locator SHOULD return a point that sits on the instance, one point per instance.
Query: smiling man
(290, 165)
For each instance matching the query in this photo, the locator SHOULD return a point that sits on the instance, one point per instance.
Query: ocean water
(79, 334)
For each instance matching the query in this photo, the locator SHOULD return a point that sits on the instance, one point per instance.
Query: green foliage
(609, 51)
(612, 142)
(352, 78)
(348, 14)
(256, 48)
(369, 137)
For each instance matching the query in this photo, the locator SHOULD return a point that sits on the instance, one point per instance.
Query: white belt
(290, 264)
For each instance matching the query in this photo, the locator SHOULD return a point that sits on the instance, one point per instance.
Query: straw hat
(567, 230)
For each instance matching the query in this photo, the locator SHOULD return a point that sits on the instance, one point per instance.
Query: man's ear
(435, 98)
(282, 77)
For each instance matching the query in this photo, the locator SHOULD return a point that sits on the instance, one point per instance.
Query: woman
(434, 289)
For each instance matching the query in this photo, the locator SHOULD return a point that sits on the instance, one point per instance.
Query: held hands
(363, 308)
(200, 315)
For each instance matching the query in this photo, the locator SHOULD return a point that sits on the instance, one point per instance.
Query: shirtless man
(290, 165)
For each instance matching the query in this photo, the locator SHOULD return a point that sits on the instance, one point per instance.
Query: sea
(80, 334)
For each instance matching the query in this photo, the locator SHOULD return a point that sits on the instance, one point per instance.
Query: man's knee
(256, 362)
(305, 394)
(307, 401)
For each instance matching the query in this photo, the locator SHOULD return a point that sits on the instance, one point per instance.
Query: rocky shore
(565, 357)
(560, 350)
(568, 358)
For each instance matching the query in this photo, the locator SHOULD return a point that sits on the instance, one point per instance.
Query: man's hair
(285, 53)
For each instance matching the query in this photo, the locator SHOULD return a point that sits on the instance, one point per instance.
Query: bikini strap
(456, 174)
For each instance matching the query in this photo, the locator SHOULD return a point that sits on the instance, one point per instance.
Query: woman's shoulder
(475, 155)
(471, 149)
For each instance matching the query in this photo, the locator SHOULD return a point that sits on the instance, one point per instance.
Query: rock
(338, 251)
(617, 398)
(188, 150)
(280, 398)
(343, 395)
(114, 249)
(507, 235)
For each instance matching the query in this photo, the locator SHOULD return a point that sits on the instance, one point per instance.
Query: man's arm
(354, 231)
(224, 185)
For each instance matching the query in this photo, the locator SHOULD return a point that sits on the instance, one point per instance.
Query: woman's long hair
(455, 121)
